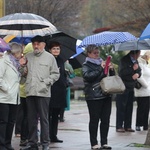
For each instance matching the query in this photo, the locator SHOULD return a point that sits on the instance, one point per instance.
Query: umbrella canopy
(25, 25)
(77, 59)
(133, 45)
(67, 42)
(146, 33)
(3, 46)
(107, 38)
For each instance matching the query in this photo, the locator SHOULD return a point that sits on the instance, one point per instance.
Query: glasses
(95, 53)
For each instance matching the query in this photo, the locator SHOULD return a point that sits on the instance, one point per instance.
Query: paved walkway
(74, 131)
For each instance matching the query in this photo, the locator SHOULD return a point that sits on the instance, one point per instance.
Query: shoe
(145, 128)
(23, 143)
(95, 147)
(105, 147)
(62, 120)
(30, 147)
(129, 130)
(56, 140)
(138, 128)
(120, 130)
(45, 147)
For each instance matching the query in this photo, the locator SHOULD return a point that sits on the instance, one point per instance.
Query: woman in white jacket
(143, 94)
(9, 93)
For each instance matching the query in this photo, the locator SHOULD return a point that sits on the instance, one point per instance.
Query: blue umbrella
(146, 33)
(107, 38)
(22, 40)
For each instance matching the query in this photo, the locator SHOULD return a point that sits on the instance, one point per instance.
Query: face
(55, 51)
(94, 54)
(18, 55)
(38, 47)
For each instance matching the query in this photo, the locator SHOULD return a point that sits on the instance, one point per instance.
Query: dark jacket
(58, 89)
(92, 75)
(126, 71)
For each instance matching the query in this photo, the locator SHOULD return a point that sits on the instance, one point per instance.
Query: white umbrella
(25, 25)
(133, 45)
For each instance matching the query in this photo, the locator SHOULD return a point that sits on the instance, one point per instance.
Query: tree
(63, 14)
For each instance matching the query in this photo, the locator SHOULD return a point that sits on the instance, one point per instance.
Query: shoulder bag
(112, 85)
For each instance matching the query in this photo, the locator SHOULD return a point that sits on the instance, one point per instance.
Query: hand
(135, 76)
(135, 66)
(103, 64)
(111, 66)
(23, 61)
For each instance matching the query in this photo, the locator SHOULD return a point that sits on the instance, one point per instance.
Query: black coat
(58, 89)
(92, 75)
(126, 71)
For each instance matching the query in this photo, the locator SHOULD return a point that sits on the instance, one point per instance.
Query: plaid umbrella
(107, 38)
(25, 25)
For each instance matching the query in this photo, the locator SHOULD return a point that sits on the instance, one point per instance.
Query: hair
(134, 52)
(90, 48)
(53, 44)
(15, 47)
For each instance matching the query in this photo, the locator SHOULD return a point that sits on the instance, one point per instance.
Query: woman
(143, 94)
(58, 93)
(9, 93)
(99, 104)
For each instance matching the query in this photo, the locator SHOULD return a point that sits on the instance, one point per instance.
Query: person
(58, 90)
(42, 72)
(22, 108)
(70, 74)
(9, 93)
(143, 94)
(98, 103)
(129, 71)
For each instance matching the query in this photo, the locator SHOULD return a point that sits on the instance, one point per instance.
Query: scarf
(94, 61)
(14, 61)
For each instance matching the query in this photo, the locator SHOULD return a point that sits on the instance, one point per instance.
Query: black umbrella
(67, 42)
(25, 25)
(77, 61)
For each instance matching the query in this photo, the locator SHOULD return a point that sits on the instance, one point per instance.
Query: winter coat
(58, 90)
(144, 80)
(126, 71)
(92, 75)
(9, 82)
(42, 73)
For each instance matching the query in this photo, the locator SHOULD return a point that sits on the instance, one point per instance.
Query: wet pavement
(75, 136)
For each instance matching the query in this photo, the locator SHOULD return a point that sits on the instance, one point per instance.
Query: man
(42, 72)
(129, 71)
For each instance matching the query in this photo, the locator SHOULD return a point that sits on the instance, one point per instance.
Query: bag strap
(106, 69)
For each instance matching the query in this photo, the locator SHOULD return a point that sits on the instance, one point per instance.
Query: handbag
(112, 85)
(138, 85)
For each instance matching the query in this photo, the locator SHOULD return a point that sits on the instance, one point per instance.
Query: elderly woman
(143, 94)
(98, 103)
(9, 93)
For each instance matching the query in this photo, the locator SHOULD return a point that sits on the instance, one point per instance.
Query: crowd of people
(40, 88)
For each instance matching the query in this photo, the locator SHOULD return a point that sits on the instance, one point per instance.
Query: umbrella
(107, 38)
(146, 33)
(25, 25)
(67, 42)
(3, 46)
(77, 59)
(133, 45)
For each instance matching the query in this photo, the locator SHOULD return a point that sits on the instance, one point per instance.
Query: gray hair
(90, 48)
(15, 47)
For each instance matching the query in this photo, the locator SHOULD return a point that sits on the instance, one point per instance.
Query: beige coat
(9, 82)
(42, 73)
